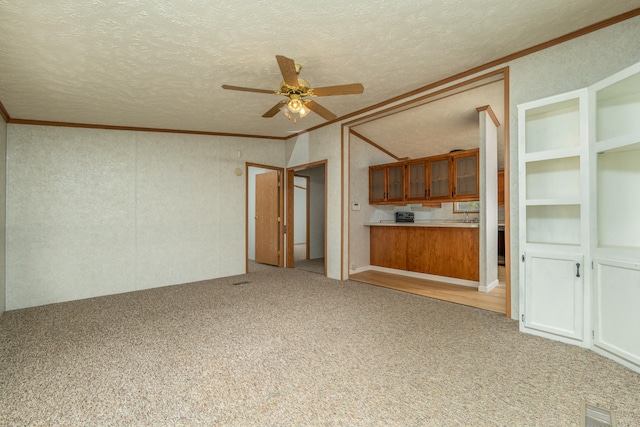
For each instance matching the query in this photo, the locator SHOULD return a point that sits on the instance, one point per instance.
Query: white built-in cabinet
(554, 207)
(579, 173)
(614, 129)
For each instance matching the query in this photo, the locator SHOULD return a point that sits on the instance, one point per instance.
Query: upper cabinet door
(377, 184)
(416, 180)
(465, 172)
(439, 179)
(395, 183)
(386, 183)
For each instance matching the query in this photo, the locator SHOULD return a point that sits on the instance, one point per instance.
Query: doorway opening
(306, 217)
(373, 140)
(264, 213)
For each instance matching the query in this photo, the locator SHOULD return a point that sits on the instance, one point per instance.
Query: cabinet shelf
(553, 202)
(557, 224)
(553, 178)
(552, 125)
(620, 143)
(560, 153)
(618, 108)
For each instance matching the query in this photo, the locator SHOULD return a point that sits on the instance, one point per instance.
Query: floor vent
(592, 416)
(240, 283)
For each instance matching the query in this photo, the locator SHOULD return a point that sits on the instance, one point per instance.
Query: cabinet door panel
(617, 294)
(376, 183)
(439, 179)
(444, 251)
(554, 300)
(466, 175)
(416, 181)
(395, 176)
(388, 247)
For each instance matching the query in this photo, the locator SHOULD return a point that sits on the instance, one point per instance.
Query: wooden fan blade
(274, 110)
(320, 110)
(288, 70)
(351, 89)
(248, 89)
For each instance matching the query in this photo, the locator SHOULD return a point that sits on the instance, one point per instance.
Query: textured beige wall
(3, 199)
(96, 212)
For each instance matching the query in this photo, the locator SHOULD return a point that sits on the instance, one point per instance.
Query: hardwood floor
(492, 301)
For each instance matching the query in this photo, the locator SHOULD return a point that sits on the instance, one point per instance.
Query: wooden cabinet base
(441, 251)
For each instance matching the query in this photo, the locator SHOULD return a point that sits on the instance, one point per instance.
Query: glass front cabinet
(386, 183)
(439, 178)
(465, 176)
(416, 180)
(447, 177)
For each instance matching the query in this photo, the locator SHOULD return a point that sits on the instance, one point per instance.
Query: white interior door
(554, 295)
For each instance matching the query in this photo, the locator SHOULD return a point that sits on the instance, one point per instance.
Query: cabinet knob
(577, 269)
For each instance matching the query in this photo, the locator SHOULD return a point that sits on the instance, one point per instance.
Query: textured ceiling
(440, 125)
(160, 63)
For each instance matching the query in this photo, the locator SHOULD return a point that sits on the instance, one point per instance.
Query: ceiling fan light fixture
(295, 104)
(304, 110)
(295, 107)
(285, 111)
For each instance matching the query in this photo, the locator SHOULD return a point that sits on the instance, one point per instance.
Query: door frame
(308, 219)
(290, 209)
(246, 211)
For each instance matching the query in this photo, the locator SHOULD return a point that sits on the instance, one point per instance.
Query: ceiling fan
(298, 93)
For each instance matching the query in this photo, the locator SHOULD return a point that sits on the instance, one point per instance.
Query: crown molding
(139, 129)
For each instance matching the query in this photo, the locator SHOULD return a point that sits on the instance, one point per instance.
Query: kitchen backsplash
(386, 213)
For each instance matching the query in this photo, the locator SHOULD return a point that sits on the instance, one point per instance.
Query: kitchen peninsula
(449, 249)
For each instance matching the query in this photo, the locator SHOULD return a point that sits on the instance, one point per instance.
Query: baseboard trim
(489, 287)
(444, 279)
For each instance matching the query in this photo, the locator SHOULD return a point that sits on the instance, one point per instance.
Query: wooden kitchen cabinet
(444, 251)
(439, 178)
(429, 180)
(416, 180)
(465, 175)
(441, 251)
(386, 183)
(388, 247)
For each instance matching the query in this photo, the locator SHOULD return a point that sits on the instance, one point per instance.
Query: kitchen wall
(3, 200)
(361, 156)
(94, 212)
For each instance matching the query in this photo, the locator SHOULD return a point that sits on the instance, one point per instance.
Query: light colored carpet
(291, 348)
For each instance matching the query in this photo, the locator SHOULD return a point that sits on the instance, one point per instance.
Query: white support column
(488, 199)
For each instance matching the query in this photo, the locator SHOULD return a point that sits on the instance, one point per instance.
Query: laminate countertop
(425, 223)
